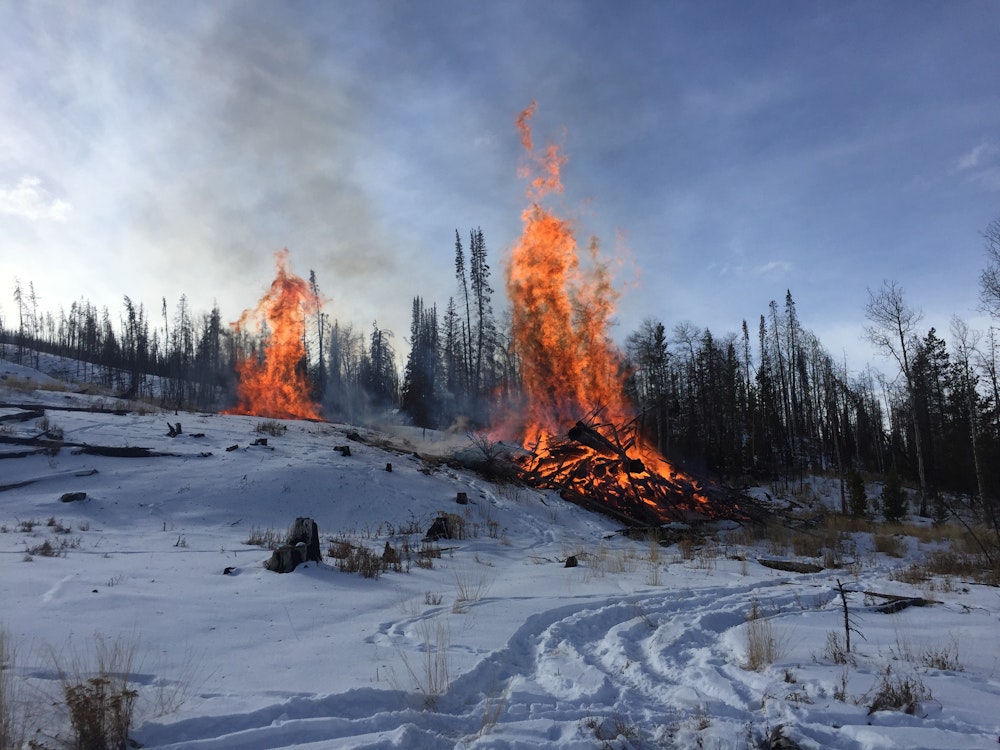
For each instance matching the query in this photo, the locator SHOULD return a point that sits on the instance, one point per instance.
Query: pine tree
(419, 395)
(857, 498)
(893, 498)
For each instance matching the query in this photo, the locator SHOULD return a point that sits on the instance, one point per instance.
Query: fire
(273, 382)
(561, 312)
(571, 369)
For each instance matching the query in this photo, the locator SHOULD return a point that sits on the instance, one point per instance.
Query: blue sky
(724, 151)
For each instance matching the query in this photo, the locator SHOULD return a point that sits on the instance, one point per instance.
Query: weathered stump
(301, 545)
(440, 529)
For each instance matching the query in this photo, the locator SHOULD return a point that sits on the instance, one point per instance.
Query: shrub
(267, 538)
(12, 707)
(890, 545)
(432, 676)
(762, 648)
(362, 560)
(100, 712)
(895, 692)
(270, 427)
(98, 697)
(836, 650)
(944, 657)
(426, 555)
(857, 499)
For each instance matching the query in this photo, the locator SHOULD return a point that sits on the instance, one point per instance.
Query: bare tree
(989, 279)
(965, 345)
(892, 330)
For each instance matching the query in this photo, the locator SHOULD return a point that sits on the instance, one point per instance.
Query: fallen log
(23, 454)
(46, 407)
(114, 451)
(898, 605)
(23, 416)
(790, 566)
(85, 448)
(588, 436)
(58, 475)
(895, 602)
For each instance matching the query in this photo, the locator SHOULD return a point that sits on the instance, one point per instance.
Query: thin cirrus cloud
(981, 164)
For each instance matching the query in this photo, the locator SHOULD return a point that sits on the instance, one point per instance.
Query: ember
(272, 382)
(571, 368)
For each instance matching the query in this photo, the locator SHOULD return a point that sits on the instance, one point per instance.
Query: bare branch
(989, 279)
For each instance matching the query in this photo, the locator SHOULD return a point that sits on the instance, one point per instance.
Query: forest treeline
(766, 402)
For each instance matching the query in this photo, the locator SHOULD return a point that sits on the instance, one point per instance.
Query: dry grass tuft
(761, 646)
(894, 692)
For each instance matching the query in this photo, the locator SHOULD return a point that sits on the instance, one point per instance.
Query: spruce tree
(857, 499)
(893, 498)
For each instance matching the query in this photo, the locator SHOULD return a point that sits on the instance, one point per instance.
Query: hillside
(485, 640)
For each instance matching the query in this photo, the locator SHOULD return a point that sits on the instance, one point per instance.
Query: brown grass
(890, 545)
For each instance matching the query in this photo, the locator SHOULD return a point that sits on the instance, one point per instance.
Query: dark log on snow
(46, 407)
(790, 566)
(23, 454)
(113, 451)
(60, 475)
(23, 416)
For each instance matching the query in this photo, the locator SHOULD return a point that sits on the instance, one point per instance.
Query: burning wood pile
(609, 470)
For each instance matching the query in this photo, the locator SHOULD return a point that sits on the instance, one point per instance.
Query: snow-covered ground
(498, 645)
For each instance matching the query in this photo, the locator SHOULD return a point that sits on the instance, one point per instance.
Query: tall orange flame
(273, 383)
(572, 371)
(561, 312)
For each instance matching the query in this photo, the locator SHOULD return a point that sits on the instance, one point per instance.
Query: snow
(498, 645)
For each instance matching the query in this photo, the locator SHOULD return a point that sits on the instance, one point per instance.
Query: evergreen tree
(419, 395)
(378, 370)
(893, 498)
(857, 498)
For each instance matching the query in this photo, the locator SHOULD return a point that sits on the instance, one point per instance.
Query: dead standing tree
(892, 330)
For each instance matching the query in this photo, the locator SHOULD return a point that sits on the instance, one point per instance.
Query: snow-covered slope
(496, 645)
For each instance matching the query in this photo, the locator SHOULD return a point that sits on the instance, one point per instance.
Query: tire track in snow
(560, 667)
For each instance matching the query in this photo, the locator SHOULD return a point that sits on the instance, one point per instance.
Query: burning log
(594, 440)
(592, 468)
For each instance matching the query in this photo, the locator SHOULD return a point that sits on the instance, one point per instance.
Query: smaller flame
(273, 382)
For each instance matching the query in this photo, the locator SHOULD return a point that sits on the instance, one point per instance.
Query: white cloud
(773, 268)
(977, 157)
(29, 200)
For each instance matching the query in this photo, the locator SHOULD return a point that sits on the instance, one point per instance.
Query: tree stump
(301, 545)
(440, 529)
